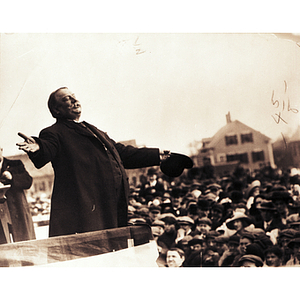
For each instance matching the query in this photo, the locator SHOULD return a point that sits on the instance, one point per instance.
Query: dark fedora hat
(174, 165)
(281, 195)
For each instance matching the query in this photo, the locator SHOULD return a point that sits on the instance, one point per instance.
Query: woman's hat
(254, 184)
(174, 165)
(238, 216)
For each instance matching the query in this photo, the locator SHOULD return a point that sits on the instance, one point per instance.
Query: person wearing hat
(238, 223)
(157, 228)
(229, 255)
(221, 244)
(246, 239)
(176, 202)
(294, 245)
(215, 189)
(192, 210)
(203, 208)
(152, 187)
(281, 200)
(194, 259)
(216, 215)
(250, 260)
(203, 226)
(175, 258)
(252, 190)
(184, 245)
(184, 225)
(170, 232)
(283, 239)
(210, 257)
(273, 256)
(254, 257)
(154, 211)
(293, 221)
(270, 217)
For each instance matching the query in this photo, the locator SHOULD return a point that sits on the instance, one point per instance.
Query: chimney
(228, 118)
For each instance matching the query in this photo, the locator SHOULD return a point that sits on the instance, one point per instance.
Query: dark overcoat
(87, 164)
(22, 224)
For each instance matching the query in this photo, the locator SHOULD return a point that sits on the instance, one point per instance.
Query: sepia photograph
(159, 150)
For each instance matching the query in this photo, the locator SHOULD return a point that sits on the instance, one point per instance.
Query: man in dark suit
(13, 173)
(90, 187)
(152, 187)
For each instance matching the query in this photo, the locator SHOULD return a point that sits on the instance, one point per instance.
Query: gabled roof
(231, 127)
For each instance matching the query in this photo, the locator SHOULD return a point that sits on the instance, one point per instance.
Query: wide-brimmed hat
(253, 184)
(266, 205)
(174, 165)
(281, 195)
(238, 216)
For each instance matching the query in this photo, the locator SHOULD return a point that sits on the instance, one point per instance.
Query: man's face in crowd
(154, 214)
(216, 214)
(267, 215)
(196, 247)
(152, 177)
(233, 247)
(272, 260)
(296, 250)
(204, 228)
(203, 212)
(169, 227)
(176, 201)
(67, 106)
(281, 206)
(1, 154)
(157, 230)
(174, 259)
(244, 242)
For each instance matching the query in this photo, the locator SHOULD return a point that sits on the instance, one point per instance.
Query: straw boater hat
(239, 216)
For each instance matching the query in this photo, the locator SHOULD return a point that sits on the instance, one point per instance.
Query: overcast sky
(164, 90)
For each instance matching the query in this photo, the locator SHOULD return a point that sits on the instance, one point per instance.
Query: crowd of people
(241, 220)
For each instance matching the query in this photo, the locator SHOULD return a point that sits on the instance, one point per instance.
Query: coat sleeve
(133, 157)
(49, 146)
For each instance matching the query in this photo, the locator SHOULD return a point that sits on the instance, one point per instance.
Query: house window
(241, 157)
(247, 138)
(231, 140)
(221, 157)
(258, 156)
